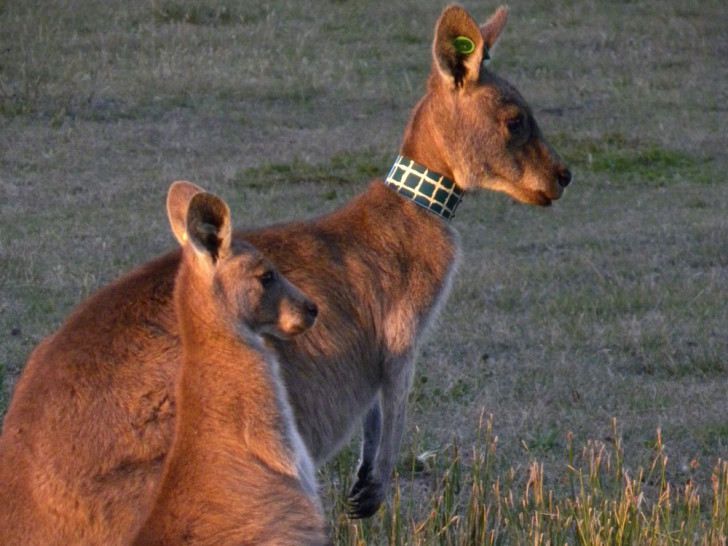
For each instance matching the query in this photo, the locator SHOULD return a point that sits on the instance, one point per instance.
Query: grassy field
(575, 388)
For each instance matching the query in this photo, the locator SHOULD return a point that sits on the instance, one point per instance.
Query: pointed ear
(458, 46)
(208, 226)
(178, 201)
(493, 27)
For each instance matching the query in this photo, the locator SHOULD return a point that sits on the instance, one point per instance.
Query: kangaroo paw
(365, 498)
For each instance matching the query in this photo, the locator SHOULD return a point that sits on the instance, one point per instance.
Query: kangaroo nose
(311, 309)
(564, 177)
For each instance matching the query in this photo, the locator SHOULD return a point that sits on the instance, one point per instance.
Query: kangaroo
(92, 416)
(237, 471)
(389, 255)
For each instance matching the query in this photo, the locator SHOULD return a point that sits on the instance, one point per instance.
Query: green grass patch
(632, 159)
(654, 166)
(343, 168)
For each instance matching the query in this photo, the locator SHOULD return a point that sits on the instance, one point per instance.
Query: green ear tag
(463, 45)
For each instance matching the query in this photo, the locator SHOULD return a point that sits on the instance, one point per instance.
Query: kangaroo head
(245, 286)
(476, 128)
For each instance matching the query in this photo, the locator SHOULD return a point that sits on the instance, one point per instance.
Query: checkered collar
(426, 188)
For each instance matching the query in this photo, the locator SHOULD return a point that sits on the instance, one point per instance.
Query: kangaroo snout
(296, 317)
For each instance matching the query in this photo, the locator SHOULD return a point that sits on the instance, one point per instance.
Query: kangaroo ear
(493, 27)
(458, 46)
(208, 226)
(178, 201)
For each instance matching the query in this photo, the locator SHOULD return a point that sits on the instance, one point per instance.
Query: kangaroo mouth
(539, 194)
(544, 199)
(274, 331)
(538, 198)
(285, 330)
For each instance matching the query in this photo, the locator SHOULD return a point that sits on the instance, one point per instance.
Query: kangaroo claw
(364, 499)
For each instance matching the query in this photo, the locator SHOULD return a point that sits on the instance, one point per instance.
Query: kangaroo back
(237, 471)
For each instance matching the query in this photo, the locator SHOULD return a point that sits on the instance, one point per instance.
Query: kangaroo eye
(267, 278)
(515, 125)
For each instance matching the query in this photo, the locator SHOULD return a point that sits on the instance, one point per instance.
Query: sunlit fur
(84, 462)
(237, 471)
(460, 128)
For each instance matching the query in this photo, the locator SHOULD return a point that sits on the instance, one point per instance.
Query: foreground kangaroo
(92, 416)
(237, 471)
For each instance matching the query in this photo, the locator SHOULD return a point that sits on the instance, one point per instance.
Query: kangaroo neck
(232, 381)
(224, 371)
(232, 405)
(426, 138)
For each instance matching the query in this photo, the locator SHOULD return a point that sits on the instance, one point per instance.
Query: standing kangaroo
(92, 416)
(237, 471)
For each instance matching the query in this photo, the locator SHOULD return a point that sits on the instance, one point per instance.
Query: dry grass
(611, 304)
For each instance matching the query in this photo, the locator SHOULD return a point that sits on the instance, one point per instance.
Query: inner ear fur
(178, 201)
(453, 65)
(208, 225)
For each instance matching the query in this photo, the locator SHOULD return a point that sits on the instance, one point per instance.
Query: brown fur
(92, 416)
(378, 268)
(237, 471)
